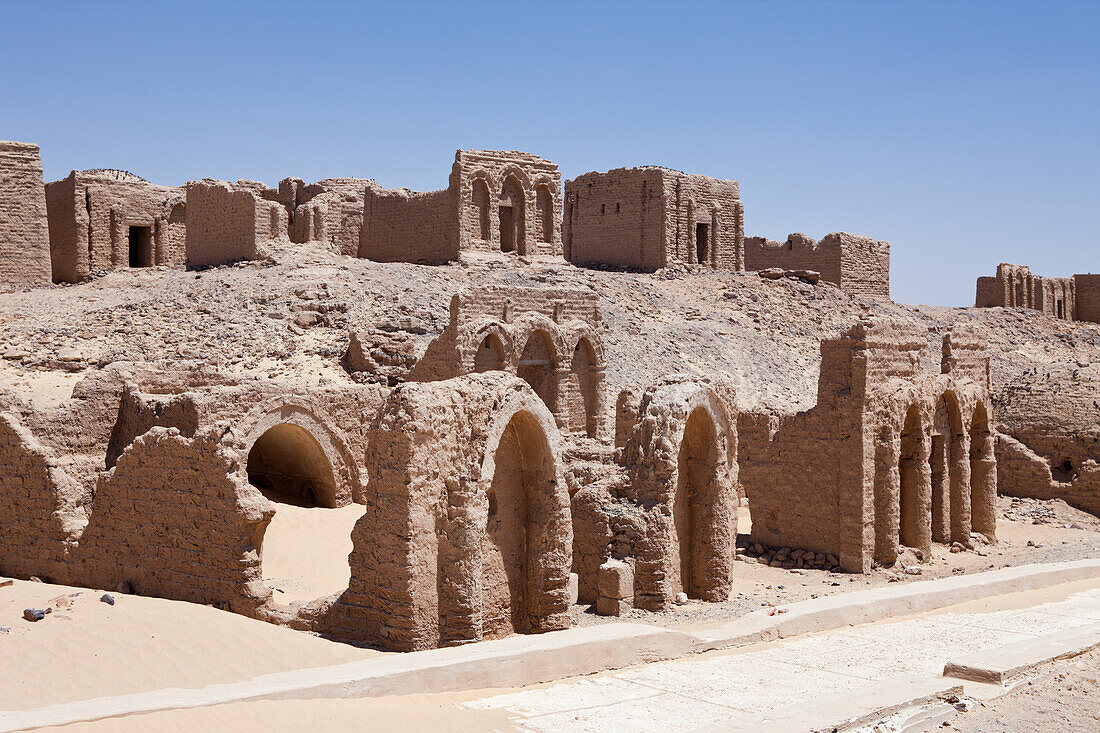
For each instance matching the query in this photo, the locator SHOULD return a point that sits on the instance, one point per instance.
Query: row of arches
(564, 365)
(505, 223)
(936, 478)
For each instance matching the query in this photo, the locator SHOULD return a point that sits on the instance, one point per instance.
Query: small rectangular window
(603, 208)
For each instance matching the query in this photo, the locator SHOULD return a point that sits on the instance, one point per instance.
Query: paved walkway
(745, 688)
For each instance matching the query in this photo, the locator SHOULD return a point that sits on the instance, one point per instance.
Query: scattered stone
(681, 598)
(35, 614)
(110, 600)
(913, 570)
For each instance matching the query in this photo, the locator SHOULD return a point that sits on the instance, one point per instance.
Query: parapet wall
(856, 264)
(24, 235)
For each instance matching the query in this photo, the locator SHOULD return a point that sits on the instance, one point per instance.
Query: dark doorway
(1061, 309)
(702, 240)
(507, 229)
(141, 246)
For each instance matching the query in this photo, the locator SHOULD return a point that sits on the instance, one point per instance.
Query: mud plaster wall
(24, 236)
(41, 506)
(858, 265)
(541, 212)
(406, 226)
(1014, 286)
(330, 211)
(1087, 297)
(90, 215)
(430, 561)
(230, 222)
(681, 463)
(826, 479)
(200, 544)
(514, 319)
(647, 218)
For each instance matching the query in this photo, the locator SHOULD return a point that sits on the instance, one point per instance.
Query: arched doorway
(696, 484)
(490, 354)
(512, 226)
(582, 411)
(304, 553)
(481, 206)
(544, 202)
(983, 476)
(538, 367)
(915, 526)
(523, 481)
(949, 473)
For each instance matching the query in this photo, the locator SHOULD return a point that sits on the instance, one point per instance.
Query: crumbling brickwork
(857, 265)
(648, 218)
(466, 533)
(230, 222)
(551, 337)
(199, 545)
(24, 239)
(108, 219)
(890, 456)
(328, 211)
(497, 202)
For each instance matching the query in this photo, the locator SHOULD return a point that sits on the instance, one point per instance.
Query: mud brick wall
(90, 213)
(442, 529)
(1087, 297)
(1016, 287)
(542, 209)
(986, 292)
(616, 218)
(200, 544)
(1023, 472)
(329, 211)
(501, 303)
(229, 222)
(646, 218)
(858, 265)
(42, 507)
(24, 235)
(405, 226)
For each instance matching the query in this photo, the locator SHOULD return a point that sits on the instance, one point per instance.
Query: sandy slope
(92, 649)
(305, 551)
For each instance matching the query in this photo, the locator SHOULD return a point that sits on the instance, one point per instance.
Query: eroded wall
(230, 222)
(24, 235)
(856, 264)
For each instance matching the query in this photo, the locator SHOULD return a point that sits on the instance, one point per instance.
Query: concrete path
(760, 689)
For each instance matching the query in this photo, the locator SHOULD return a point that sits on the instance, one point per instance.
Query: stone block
(612, 606)
(616, 580)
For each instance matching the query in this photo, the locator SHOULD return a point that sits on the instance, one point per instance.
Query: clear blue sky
(965, 133)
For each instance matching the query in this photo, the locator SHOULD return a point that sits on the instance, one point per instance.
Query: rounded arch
(346, 484)
(512, 214)
(287, 464)
(983, 474)
(544, 204)
(527, 538)
(949, 470)
(587, 374)
(682, 452)
(915, 526)
(480, 197)
(472, 341)
(538, 365)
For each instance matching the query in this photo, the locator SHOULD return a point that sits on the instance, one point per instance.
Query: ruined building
(891, 456)
(328, 211)
(24, 239)
(552, 338)
(107, 219)
(857, 265)
(496, 202)
(228, 222)
(648, 218)
(1075, 298)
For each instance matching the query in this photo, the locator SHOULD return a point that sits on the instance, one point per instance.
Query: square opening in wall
(141, 246)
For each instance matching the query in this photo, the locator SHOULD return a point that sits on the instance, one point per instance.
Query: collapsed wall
(24, 236)
(230, 222)
(650, 217)
(329, 211)
(858, 265)
(669, 513)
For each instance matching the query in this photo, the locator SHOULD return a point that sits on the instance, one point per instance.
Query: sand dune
(305, 551)
(92, 649)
